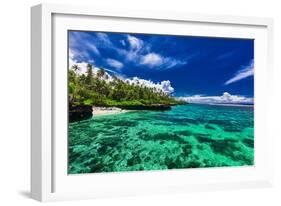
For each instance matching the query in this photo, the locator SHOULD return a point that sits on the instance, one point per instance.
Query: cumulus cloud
(136, 48)
(81, 65)
(114, 63)
(157, 61)
(244, 72)
(163, 86)
(130, 49)
(152, 60)
(135, 43)
(226, 98)
(167, 87)
(140, 53)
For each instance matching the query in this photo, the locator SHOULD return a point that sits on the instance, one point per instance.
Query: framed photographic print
(135, 102)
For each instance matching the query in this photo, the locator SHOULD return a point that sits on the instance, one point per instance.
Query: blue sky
(194, 65)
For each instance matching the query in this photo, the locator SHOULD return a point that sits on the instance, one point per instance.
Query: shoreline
(102, 111)
(82, 112)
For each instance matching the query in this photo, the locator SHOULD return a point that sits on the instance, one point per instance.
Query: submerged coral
(188, 136)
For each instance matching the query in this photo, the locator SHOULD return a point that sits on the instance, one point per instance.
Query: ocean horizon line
(225, 104)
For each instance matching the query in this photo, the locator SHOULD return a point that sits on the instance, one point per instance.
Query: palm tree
(75, 67)
(72, 92)
(89, 74)
(101, 72)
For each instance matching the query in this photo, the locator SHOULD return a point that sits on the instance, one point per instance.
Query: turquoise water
(188, 136)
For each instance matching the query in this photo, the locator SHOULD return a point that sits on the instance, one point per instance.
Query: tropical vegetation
(102, 89)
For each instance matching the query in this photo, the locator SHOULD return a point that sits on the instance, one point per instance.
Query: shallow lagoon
(188, 136)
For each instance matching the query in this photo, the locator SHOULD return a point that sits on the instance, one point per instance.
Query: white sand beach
(100, 111)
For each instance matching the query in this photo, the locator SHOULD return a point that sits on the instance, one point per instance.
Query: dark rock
(156, 107)
(78, 113)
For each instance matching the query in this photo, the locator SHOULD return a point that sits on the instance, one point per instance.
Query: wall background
(15, 100)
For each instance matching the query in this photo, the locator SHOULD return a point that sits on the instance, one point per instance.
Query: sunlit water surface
(188, 136)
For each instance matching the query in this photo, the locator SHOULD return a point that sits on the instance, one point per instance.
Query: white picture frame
(49, 180)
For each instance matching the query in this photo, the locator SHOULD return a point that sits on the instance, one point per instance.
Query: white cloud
(243, 73)
(93, 48)
(164, 86)
(167, 87)
(79, 54)
(138, 52)
(81, 65)
(71, 54)
(82, 42)
(226, 98)
(170, 62)
(135, 43)
(152, 60)
(136, 48)
(114, 63)
(103, 40)
(123, 42)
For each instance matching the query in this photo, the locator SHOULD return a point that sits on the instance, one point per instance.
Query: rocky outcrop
(82, 112)
(78, 113)
(156, 107)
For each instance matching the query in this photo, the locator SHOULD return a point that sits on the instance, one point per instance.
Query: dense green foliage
(90, 89)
